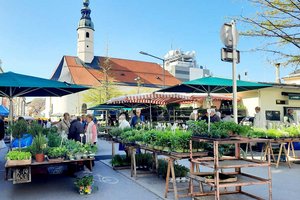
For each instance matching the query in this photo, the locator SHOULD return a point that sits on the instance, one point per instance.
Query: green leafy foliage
(144, 160)
(35, 128)
(54, 139)
(120, 160)
(115, 132)
(84, 181)
(57, 152)
(180, 170)
(19, 128)
(39, 144)
(18, 155)
(197, 127)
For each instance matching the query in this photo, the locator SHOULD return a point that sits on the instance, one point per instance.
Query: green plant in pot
(90, 149)
(57, 152)
(84, 184)
(38, 147)
(35, 128)
(19, 129)
(115, 132)
(72, 147)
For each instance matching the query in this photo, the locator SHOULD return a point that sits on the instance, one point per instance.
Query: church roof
(122, 71)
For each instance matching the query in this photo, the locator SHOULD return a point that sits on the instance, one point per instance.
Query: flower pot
(39, 157)
(84, 156)
(91, 155)
(78, 156)
(71, 157)
(167, 149)
(179, 150)
(85, 190)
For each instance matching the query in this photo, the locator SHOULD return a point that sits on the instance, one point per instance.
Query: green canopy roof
(214, 85)
(19, 85)
(106, 107)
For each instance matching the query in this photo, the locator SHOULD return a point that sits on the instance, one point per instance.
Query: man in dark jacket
(76, 129)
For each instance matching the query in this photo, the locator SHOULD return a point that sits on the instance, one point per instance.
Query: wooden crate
(18, 162)
(22, 175)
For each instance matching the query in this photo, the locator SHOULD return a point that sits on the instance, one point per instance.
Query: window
(87, 34)
(83, 108)
(182, 72)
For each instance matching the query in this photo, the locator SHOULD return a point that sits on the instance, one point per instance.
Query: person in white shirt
(123, 123)
(227, 117)
(259, 121)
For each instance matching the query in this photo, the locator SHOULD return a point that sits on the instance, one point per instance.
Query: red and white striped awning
(161, 98)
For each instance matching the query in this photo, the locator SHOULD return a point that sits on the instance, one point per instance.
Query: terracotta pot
(39, 157)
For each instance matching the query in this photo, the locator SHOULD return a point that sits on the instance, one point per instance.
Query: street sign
(227, 55)
(227, 35)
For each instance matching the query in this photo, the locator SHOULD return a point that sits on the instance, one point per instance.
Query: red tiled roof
(121, 71)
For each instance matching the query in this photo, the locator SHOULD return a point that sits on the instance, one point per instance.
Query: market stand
(21, 173)
(236, 163)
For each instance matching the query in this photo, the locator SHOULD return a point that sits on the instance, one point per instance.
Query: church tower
(85, 38)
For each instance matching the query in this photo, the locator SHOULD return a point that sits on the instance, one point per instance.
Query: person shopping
(91, 130)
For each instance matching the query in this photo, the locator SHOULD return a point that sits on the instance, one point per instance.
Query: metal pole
(234, 85)
(164, 74)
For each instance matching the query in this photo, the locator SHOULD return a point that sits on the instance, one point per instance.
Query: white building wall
(65, 73)
(72, 103)
(266, 99)
(196, 73)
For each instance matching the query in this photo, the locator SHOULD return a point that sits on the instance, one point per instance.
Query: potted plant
(38, 147)
(91, 150)
(19, 129)
(56, 153)
(18, 158)
(72, 148)
(84, 184)
(115, 132)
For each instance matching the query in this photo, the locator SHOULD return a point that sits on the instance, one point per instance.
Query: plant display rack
(236, 163)
(283, 150)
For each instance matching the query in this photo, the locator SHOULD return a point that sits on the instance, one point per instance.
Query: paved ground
(285, 184)
(111, 186)
(115, 185)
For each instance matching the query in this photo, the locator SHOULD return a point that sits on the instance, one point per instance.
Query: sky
(36, 34)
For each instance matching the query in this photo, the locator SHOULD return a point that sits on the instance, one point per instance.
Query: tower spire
(85, 31)
(86, 21)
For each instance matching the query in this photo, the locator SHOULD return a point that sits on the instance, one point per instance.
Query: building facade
(183, 65)
(90, 70)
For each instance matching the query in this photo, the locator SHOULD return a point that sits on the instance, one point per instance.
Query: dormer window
(87, 34)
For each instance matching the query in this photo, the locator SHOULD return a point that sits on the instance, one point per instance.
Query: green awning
(214, 85)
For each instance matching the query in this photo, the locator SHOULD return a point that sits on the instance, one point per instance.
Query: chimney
(277, 72)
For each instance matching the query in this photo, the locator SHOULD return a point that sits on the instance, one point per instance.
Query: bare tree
(278, 22)
(36, 106)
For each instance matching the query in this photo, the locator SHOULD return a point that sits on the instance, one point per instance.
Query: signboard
(294, 97)
(227, 55)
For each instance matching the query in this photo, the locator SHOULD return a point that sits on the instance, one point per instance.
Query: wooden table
(234, 163)
(282, 142)
(25, 170)
(171, 157)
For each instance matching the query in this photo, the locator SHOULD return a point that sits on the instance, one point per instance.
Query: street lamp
(163, 60)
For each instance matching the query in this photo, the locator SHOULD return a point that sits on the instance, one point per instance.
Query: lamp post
(163, 60)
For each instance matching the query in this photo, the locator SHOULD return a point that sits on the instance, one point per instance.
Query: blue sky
(36, 34)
